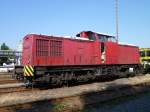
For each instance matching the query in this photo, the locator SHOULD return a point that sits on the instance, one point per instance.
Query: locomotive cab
(106, 42)
(96, 36)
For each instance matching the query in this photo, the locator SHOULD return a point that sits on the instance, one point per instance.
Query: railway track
(81, 96)
(10, 85)
(6, 78)
(13, 88)
(6, 81)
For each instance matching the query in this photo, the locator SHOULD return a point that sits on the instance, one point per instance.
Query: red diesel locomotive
(85, 57)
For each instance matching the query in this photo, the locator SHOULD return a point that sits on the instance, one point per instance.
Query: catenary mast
(117, 21)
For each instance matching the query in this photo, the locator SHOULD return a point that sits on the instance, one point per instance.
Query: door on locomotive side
(103, 53)
(107, 45)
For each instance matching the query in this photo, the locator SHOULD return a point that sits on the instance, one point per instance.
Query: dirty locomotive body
(88, 56)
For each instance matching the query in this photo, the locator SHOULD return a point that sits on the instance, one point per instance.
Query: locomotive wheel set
(86, 57)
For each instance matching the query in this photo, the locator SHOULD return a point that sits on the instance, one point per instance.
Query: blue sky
(68, 17)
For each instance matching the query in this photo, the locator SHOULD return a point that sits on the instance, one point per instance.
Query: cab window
(105, 38)
(92, 36)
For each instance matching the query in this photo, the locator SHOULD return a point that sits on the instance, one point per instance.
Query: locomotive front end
(27, 59)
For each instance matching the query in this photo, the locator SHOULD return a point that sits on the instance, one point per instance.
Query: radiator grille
(48, 47)
(41, 47)
(55, 48)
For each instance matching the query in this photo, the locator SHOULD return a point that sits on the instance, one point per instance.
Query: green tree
(4, 47)
(4, 59)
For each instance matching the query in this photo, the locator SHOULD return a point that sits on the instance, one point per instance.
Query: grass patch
(59, 107)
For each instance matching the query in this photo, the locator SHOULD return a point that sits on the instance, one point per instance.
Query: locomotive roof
(126, 44)
(66, 37)
(76, 38)
(104, 34)
(73, 37)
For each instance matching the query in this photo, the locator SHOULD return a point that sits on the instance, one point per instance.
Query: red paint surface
(52, 51)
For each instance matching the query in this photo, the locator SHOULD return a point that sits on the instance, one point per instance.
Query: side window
(92, 36)
(103, 38)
